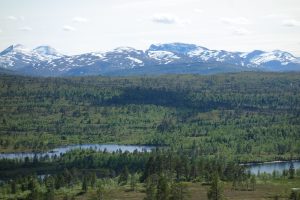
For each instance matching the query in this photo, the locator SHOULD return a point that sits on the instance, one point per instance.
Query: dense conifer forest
(204, 128)
(253, 115)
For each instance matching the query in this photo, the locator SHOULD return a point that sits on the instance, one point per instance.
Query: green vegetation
(205, 127)
(165, 175)
(253, 115)
(216, 190)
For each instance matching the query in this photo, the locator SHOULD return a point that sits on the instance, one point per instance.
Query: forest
(204, 128)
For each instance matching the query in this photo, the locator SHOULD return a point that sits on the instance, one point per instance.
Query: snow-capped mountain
(47, 52)
(17, 57)
(158, 59)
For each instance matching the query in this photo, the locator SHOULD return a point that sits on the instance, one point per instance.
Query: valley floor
(271, 189)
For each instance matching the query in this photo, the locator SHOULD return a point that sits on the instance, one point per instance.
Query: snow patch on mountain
(277, 55)
(45, 60)
(125, 49)
(196, 52)
(163, 56)
(135, 60)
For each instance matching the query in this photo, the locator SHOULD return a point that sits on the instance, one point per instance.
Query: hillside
(254, 116)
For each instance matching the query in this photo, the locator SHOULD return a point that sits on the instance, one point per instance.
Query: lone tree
(84, 186)
(253, 182)
(133, 181)
(292, 171)
(163, 189)
(179, 191)
(49, 183)
(33, 187)
(151, 187)
(216, 190)
(13, 186)
(123, 178)
(100, 192)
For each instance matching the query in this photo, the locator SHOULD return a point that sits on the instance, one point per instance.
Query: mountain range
(169, 58)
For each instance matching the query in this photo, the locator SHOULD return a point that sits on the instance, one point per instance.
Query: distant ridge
(169, 58)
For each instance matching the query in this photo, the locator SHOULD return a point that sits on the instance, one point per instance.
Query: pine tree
(163, 190)
(49, 183)
(216, 190)
(84, 184)
(32, 186)
(151, 188)
(292, 171)
(123, 178)
(93, 179)
(178, 191)
(13, 186)
(100, 192)
(149, 169)
(133, 181)
(67, 177)
(253, 182)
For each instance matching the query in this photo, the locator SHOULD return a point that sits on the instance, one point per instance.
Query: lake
(269, 167)
(254, 168)
(98, 147)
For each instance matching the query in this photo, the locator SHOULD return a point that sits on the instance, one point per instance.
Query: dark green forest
(254, 116)
(204, 128)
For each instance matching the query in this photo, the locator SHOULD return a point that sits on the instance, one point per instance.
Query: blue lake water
(269, 167)
(254, 168)
(61, 150)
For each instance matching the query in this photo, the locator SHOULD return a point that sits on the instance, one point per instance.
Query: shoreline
(269, 162)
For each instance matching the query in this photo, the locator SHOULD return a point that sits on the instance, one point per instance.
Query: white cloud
(11, 17)
(15, 18)
(168, 19)
(198, 10)
(241, 31)
(25, 29)
(266, 24)
(68, 28)
(0, 31)
(235, 21)
(291, 23)
(80, 19)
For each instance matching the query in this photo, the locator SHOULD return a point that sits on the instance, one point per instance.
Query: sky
(80, 26)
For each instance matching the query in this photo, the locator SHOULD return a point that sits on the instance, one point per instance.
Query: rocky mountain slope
(176, 58)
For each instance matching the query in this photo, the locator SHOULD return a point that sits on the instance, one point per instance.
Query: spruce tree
(151, 187)
(178, 191)
(133, 181)
(33, 187)
(253, 182)
(163, 189)
(49, 183)
(216, 190)
(93, 179)
(100, 192)
(13, 186)
(84, 184)
(292, 171)
(123, 178)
